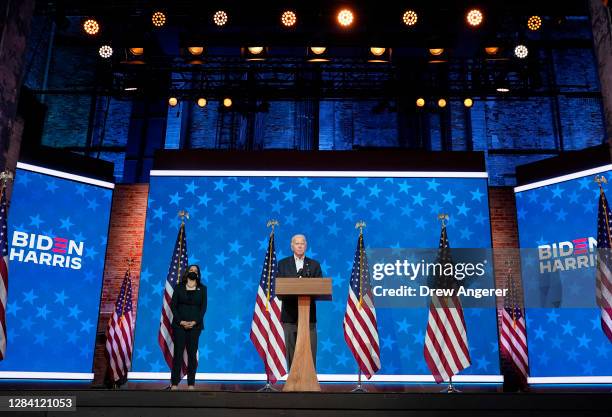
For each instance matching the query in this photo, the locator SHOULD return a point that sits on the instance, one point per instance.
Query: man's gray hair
(296, 236)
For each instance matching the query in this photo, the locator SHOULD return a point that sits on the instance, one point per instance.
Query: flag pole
(360, 225)
(271, 223)
(443, 217)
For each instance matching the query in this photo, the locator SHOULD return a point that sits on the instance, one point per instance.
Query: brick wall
(125, 239)
(504, 231)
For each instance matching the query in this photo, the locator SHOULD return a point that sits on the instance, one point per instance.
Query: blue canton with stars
(52, 312)
(228, 238)
(562, 341)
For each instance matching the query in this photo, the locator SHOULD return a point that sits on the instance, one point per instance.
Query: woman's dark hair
(198, 275)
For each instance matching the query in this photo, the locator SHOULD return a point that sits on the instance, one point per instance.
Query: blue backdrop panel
(227, 236)
(57, 243)
(566, 341)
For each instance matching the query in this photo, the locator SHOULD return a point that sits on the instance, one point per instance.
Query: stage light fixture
(534, 23)
(202, 102)
(130, 89)
(410, 18)
(521, 51)
(220, 18)
(468, 102)
(502, 89)
(158, 19)
(288, 18)
(196, 50)
(345, 17)
(318, 50)
(436, 51)
(105, 51)
(172, 101)
(420, 102)
(227, 102)
(377, 51)
(136, 51)
(474, 17)
(91, 27)
(442, 103)
(492, 50)
(255, 50)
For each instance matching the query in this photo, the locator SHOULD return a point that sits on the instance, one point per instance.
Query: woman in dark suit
(188, 307)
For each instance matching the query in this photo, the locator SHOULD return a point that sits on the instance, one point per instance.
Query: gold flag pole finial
(183, 214)
(600, 179)
(443, 217)
(5, 176)
(271, 223)
(360, 225)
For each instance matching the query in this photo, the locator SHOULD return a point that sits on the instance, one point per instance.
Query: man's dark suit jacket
(286, 269)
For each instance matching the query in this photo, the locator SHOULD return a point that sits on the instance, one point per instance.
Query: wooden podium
(303, 376)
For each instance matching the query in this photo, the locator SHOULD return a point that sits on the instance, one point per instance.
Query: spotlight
(492, 50)
(91, 27)
(318, 50)
(534, 23)
(137, 51)
(105, 51)
(420, 102)
(410, 18)
(288, 18)
(377, 51)
(158, 19)
(521, 51)
(436, 51)
(502, 89)
(255, 50)
(441, 103)
(172, 101)
(202, 102)
(227, 102)
(196, 50)
(474, 17)
(345, 17)
(220, 18)
(468, 102)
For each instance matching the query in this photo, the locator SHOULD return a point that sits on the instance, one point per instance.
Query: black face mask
(192, 276)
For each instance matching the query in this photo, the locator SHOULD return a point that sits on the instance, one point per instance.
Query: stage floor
(155, 402)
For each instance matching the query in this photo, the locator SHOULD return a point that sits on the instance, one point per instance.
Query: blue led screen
(57, 244)
(227, 237)
(563, 323)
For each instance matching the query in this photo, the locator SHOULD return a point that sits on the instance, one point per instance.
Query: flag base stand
(267, 388)
(359, 387)
(451, 388)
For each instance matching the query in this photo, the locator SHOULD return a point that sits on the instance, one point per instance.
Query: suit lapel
(292, 267)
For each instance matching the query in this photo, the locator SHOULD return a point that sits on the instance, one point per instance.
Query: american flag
(446, 347)
(360, 327)
(513, 336)
(266, 329)
(178, 265)
(3, 273)
(120, 332)
(603, 280)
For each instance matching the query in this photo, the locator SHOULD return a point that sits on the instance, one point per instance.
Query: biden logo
(57, 252)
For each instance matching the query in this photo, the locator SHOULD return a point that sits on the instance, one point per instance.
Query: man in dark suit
(299, 266)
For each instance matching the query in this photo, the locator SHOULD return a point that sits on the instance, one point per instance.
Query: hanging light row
(442, 102)
(344, 17)
(201, 102)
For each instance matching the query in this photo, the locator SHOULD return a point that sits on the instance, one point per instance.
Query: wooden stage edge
(155, 402)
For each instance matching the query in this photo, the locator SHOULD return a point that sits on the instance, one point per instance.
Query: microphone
(300, 273)
(307, 266)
